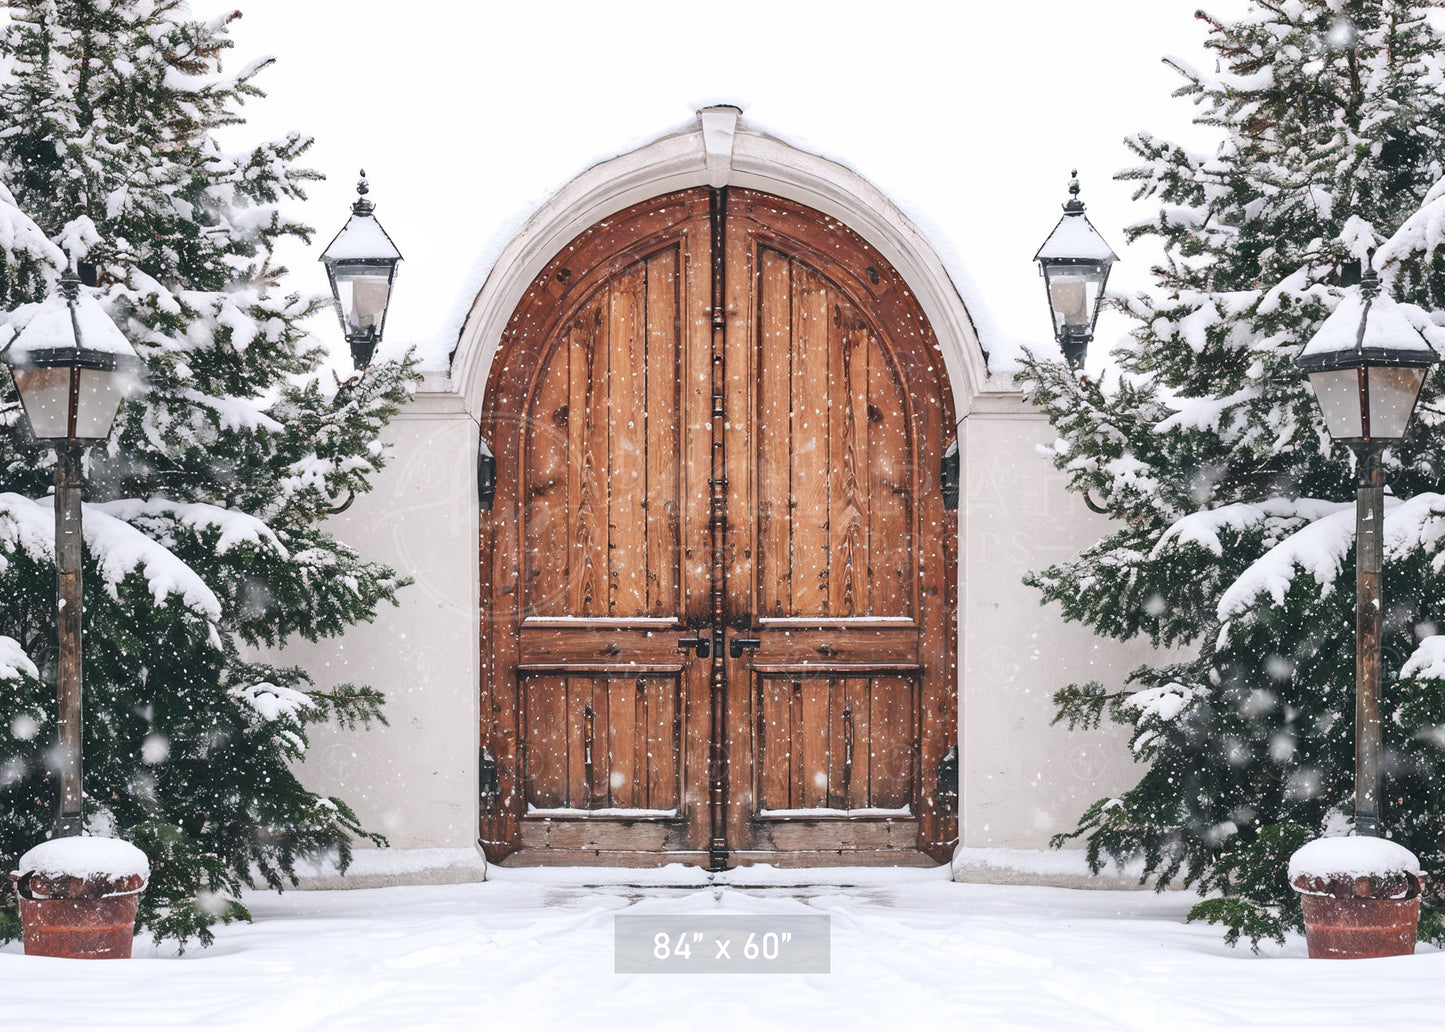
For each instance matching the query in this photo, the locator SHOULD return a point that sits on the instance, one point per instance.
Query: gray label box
(713, 944)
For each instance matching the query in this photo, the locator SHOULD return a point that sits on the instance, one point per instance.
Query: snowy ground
(534, 950)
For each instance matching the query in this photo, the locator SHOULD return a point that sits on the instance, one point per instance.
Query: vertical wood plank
(627, 446)
(811, 399)
(663, 745)
(502, 709)
(641, 772)
(587, 469)
(893, 732)
(775, 738)
(860, 701)
(837, 798)
(797, 736)
(601, 721)
(848, 525)
(687, 782)
(890, 486)
(544, 704)
(774, 430)
(661, 435)
(817, 741)
(545, 514)
(619, 782)
(579, 697)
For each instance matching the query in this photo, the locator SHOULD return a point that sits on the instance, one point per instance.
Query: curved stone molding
(721, 151)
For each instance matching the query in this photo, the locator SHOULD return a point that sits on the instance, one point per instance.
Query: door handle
(736, 646)
(703, 645)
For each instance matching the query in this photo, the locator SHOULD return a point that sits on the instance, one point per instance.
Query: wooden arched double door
(717, 577)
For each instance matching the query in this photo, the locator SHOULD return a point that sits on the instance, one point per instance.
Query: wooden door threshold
(738, 862)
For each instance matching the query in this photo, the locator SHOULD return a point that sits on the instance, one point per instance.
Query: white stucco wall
(414, 781)
(1022, 780)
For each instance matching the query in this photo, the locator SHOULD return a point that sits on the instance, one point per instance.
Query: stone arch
(720, 150)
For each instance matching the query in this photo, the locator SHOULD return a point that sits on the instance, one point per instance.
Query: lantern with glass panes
(1075, 264)
(72, 367)
(361, 264)
(1367, 363)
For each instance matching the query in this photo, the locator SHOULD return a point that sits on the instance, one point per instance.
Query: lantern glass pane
(363, 293)
(1392, 391)
(1338, 392)
(100, 395)
(45, 392)
(1073, 293)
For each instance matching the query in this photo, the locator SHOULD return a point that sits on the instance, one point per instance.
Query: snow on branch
(1422, 233)
(19, 234)
(120, 550)
(1319, 549)
(1203, 528)
(1427, 662)
(14, 663)
(234, 527)
(271, 702)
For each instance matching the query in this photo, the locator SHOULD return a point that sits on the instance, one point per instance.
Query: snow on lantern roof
(1366, 327)
(62, 325)
(362, 239)
(1075, 237)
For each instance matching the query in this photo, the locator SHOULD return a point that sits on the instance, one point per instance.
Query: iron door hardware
(946, 796)
(486, 476)
(489, 789)
(736, 646)
(589, 733)
(703, 645)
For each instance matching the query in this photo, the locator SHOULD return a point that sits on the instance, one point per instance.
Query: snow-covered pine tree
(1234, 540)
(204, 519)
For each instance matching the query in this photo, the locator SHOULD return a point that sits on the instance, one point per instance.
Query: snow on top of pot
(1355, 855)
(85, 857)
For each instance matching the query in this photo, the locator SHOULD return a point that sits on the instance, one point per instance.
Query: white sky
(968, 115)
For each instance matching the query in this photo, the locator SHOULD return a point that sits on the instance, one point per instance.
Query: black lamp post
(72, 367)
(361, 264)
(1075, 264)
(1367, 365)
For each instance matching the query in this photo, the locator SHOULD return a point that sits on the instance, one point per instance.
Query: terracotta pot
(1348, 929)
(80, 919)
(1360, 916)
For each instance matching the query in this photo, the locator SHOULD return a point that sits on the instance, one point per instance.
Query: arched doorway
(717, 579)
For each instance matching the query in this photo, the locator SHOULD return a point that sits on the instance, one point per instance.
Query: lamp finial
(1074, 205)
(362, 204)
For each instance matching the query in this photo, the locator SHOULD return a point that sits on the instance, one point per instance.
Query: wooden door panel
(608, 743)
(835, 746)
(846, 424)
(586, 581)
(604, 455)
(834, 466)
